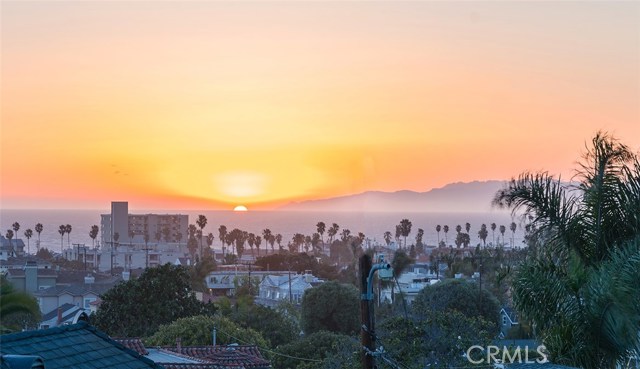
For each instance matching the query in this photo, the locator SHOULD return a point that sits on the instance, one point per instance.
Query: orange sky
(214, 104)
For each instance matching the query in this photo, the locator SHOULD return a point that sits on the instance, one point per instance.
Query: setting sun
(240, 208)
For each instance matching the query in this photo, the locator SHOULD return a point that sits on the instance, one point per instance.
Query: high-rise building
(132, 228)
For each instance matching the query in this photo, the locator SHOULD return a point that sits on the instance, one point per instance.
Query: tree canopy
(578, 285)
(136, 308)
(332, 307)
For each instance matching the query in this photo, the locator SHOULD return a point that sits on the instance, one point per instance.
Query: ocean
(287, 223)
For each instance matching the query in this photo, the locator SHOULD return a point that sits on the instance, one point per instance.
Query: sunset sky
(202, 105)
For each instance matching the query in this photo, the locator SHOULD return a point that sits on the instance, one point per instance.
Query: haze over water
(372, 224)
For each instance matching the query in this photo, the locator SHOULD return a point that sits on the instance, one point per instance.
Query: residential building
(410, 283)
(30, 278)
(121, 222)
(64, 315)
(276, 288)
(74, 346)
(10, 248)
(508, 319)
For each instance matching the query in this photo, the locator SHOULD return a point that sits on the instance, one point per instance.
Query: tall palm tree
(345, 234)
(16, 228)
(387, 237)
(222, 234)
(28, 233)
(332, 232)
(446, 230)
(258, 241)
(467, 227)
(201, 222)
(209, 240)
(482, 234)
(39, 229)
(68, 229)
(9, 236)
(405, 230)
(502, 230)
(320, 228)
(513, 226)
(493, 232)
(251, 240)
(579, 285)
(93, 233)
(458, 228)
(62, 230)
(438, 229)
(132, 234)
(278, 239)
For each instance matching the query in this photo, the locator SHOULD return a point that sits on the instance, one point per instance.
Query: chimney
(179, 344)
(59, 315)
(31, 277)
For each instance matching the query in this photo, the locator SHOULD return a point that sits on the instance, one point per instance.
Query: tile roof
(134, 344)
(244, 356)
(74, 346)
(74, 290)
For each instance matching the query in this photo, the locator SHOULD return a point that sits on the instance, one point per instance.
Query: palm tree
(405, 230)
(458, 228)
(222, 234)
(320, 228)
(209, 240)
(482, 234)
(9, 236)
(62, 230)
(502, 230)
(513, 226)
(39, 229)
(93, 233)
(13, 302)
(387, 237)
(251, 240)
(493, 232)
(201, 222)
(345, 234)
(258, 241)
(132, 234)
(16, 228)
(438, 229)
(332, 232)
(467, 227)
(579, 285)
(446, 230)
(68, 230)
(28, 234)
(279, 240)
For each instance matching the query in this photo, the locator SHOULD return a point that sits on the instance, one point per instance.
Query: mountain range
(455, 197)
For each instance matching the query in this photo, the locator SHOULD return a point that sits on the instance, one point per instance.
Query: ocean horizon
(287, 223)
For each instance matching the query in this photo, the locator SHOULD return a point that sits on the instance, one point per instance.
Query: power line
(271, 351)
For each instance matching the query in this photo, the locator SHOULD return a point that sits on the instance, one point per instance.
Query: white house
(287, 287)
(64, 315)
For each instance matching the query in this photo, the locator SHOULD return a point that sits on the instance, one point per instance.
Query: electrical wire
(267, 350)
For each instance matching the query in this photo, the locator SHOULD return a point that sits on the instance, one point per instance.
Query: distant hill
(455, 197)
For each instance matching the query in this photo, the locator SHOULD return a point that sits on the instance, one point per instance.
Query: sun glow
(240, 208)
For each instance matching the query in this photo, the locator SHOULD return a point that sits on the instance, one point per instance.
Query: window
(88, 301)
(504, 320)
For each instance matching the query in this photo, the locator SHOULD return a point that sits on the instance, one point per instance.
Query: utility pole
(367, 329)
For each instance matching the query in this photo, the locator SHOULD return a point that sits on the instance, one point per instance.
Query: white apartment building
(121, 222)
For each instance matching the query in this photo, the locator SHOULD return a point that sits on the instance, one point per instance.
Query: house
(74, 346)
(10, 248)
(80, 295)
(508, 319)
(200, 357)
(277, 288)
(64, 315)
(31, 278)
(410, 283)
